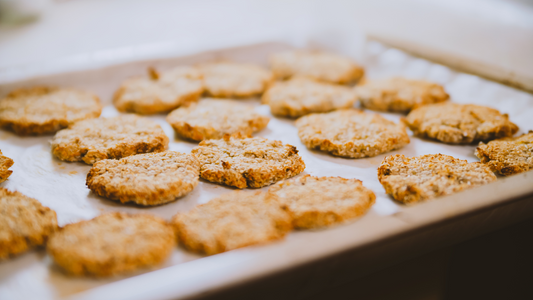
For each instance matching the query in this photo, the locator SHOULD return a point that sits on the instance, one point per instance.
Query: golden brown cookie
(112, 244)
(108, 138)
(247, 162)
(413, 179)
(351, 133)
(455, 123)
(399, 94)
(44, 110)
(508, 156)
(145, 179)
(315, 202)
(24, 223)
(321, 66)
(213, 118)
(233, 220)
(161, 92)
(5, 164)
(235, 80)
(301, 96)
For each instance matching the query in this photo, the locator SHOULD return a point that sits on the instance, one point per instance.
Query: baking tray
(61, 185)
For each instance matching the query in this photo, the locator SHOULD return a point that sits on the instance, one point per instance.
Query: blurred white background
(494, 36)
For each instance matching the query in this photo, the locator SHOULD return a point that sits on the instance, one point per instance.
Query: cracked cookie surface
(213, 118)
(508, 156)
(145, 179)
(235, 80)
(399, 94)
(247, 162)
(161, 93)
(230, 221)
(414, 179)
(45, 110)
(5, 164)
(108, 138)
(351, 133)
(301, 96)
(112, 244)
(321, 66)
(24, 223)
(315, 202)
(455, 123)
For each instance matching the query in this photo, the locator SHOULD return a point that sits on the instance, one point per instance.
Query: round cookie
(233, 220)
(508, 156)
(455, 123)
(247, 162)
(351, 133)
(315, 202)
(24, 223)
(235, 80)
(45, 110)
(104, 138)
(413, 179)
(399, 94)
(161, 92)
(5, 164)
(301, 96)
(213, 118)
(145, 179)
(321, 66)
(112, 244)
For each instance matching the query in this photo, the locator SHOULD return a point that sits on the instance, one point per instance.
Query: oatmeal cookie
(213, 118)
(161, 92)
(112, 244)
(105, 138)
(247, 162)
(351, 133)
(233, 220)
(455, 123)
(414, 179)
(301, 96)
(399, 94)
(508, 156)
(45, 110)
(24, 223)
(323, 201)
(321, 66)
(145, 179)
(235, 80)
(5, 164)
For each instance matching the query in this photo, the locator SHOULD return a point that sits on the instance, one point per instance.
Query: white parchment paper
(61, 185)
